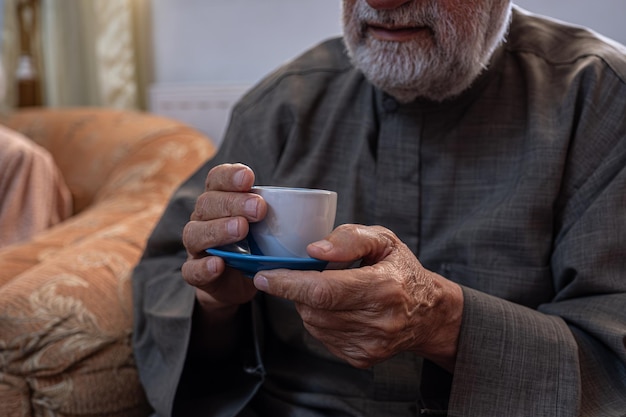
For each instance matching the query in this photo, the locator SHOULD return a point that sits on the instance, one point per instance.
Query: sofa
(65, 295)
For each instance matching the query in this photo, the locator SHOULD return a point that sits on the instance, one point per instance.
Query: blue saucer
(251, 264)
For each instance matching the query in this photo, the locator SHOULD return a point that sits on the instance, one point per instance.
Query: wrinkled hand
(221, 217)
(368, 314)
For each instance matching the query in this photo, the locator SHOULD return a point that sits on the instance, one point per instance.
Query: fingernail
(211, 265)
(233, 227)
(239, 177)
(261, 284)
(251, 206)
(324, 245)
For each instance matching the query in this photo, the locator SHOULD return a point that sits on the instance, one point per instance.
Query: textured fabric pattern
(33, 193)
(65, 301)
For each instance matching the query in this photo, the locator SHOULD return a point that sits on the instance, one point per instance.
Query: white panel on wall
(206, 107)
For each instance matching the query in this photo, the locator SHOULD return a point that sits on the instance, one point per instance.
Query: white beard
(458, 50)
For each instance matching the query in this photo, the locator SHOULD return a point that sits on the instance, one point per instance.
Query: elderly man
(479, 154)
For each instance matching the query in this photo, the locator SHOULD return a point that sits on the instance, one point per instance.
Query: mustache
(426, 15)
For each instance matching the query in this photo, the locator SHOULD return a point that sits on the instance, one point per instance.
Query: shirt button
(390, 104)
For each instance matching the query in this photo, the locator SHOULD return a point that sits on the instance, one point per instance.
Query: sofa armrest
(65, 296)
(65, 328)
(115, 163)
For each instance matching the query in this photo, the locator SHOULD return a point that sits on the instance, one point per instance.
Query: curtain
(91, 53)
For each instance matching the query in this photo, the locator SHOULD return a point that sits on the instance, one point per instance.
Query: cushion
(34, 193)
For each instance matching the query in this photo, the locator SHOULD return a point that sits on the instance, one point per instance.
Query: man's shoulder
(329, 55)
(313, 71)
(560, 43)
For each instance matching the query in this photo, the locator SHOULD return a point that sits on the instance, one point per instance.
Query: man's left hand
(366, 315)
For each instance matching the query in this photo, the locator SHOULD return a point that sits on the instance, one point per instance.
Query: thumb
(350, 242)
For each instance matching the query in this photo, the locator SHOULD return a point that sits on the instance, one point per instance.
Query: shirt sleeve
(164, 305)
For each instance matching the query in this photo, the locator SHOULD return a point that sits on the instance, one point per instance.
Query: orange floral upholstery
(65, 296)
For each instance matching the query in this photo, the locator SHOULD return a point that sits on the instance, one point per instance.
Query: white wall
(607, 17)
(208, 52)
(235, 41)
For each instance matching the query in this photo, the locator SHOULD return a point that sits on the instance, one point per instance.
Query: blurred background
(188, 59)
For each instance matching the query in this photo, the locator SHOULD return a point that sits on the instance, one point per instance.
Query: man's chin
(420, 76)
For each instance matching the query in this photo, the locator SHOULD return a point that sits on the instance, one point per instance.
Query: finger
(327, 290)
(216, 204)
(198, 236)
(219, 285)
(359, 345)
(346, 347)
(200, 272)
(343, 321)
(350, 242)
(230, 177)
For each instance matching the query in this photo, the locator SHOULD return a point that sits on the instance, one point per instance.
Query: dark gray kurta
(516, 190)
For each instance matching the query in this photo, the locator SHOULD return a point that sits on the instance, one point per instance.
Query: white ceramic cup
(295, 217)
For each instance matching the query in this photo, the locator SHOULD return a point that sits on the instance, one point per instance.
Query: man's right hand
(221, 217)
